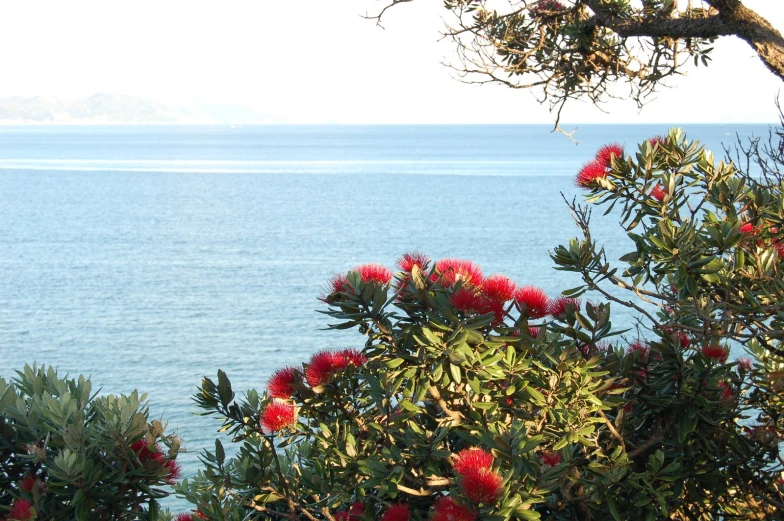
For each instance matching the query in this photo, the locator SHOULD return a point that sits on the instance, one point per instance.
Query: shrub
(68, 454)
(473, 398)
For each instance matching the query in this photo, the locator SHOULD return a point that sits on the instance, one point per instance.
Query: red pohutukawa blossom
(141, 449)
(716, 352)
(322, 366)
(726, 391)
(281, 383)
(407, 262)
(184, 516)
(549, 5)
(499, 288)
(28, 483)
(468, 459)
(396, 513)
(657, 140)
(640, 347)
(352, 357)
(356, 511)
(21, 510)
(559, 306)
(607, 152)
(550, 458)
(659, 192)
(481, 485)
(451, 271)
(336, 285)
(175, 471)
(747, 228)
(467, 300)
(276, 416)
(374, 273)
(744, 365)
(447, 509)
(683, 339)
(532, 301)
(496, 307)
(590, 172)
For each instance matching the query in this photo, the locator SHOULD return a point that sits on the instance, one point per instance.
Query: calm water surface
(150, 256)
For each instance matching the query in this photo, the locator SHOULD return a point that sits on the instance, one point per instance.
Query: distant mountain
(117, 109)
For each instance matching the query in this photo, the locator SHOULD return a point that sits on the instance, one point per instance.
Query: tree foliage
(473, 398)
(597, 49)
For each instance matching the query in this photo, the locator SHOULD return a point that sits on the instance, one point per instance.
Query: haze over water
(150, 256)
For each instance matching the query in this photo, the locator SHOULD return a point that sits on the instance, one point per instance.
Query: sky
(319, 61)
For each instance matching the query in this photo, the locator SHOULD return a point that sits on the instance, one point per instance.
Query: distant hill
(117, 109)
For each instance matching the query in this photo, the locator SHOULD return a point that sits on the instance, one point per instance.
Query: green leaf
(220, 454)
(612, 506)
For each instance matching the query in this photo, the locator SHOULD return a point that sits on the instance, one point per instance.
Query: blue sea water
(150, 256)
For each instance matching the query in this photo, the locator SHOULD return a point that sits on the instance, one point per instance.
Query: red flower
(532, 301)
(747, 228)
(184, 516)
(559, 306)
(158, 457)
(337, 284)
(452, 271)
(605, 153)
(499, 288)
(640, 347)
(28, 483)
(276, 416)
(175, 471)
(744, 365)
(396, 513)
(726, 391)
(716, 352)
(590, 172)
(467, 300)
(550, 458)
(683, 338)
(482, 485)
(407, 262)
(447, 509)
(21, 510)
(496, 307)
(374, 273)
(356, 511)
(657, 140)
(659, 192)
(281, 383)
(533, 332)
(142, 450)
(353, 357)
(549, 5)
(322, 366)
(468, 459)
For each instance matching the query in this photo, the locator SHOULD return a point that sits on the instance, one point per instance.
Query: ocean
(149, 256)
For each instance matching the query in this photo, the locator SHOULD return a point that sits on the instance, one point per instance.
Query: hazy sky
(318, 61)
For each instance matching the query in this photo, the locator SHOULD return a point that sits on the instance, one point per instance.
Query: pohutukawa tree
(473, 397)
(596, 49)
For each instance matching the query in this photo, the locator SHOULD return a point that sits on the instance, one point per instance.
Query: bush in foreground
(66, 453)
(476, 398)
